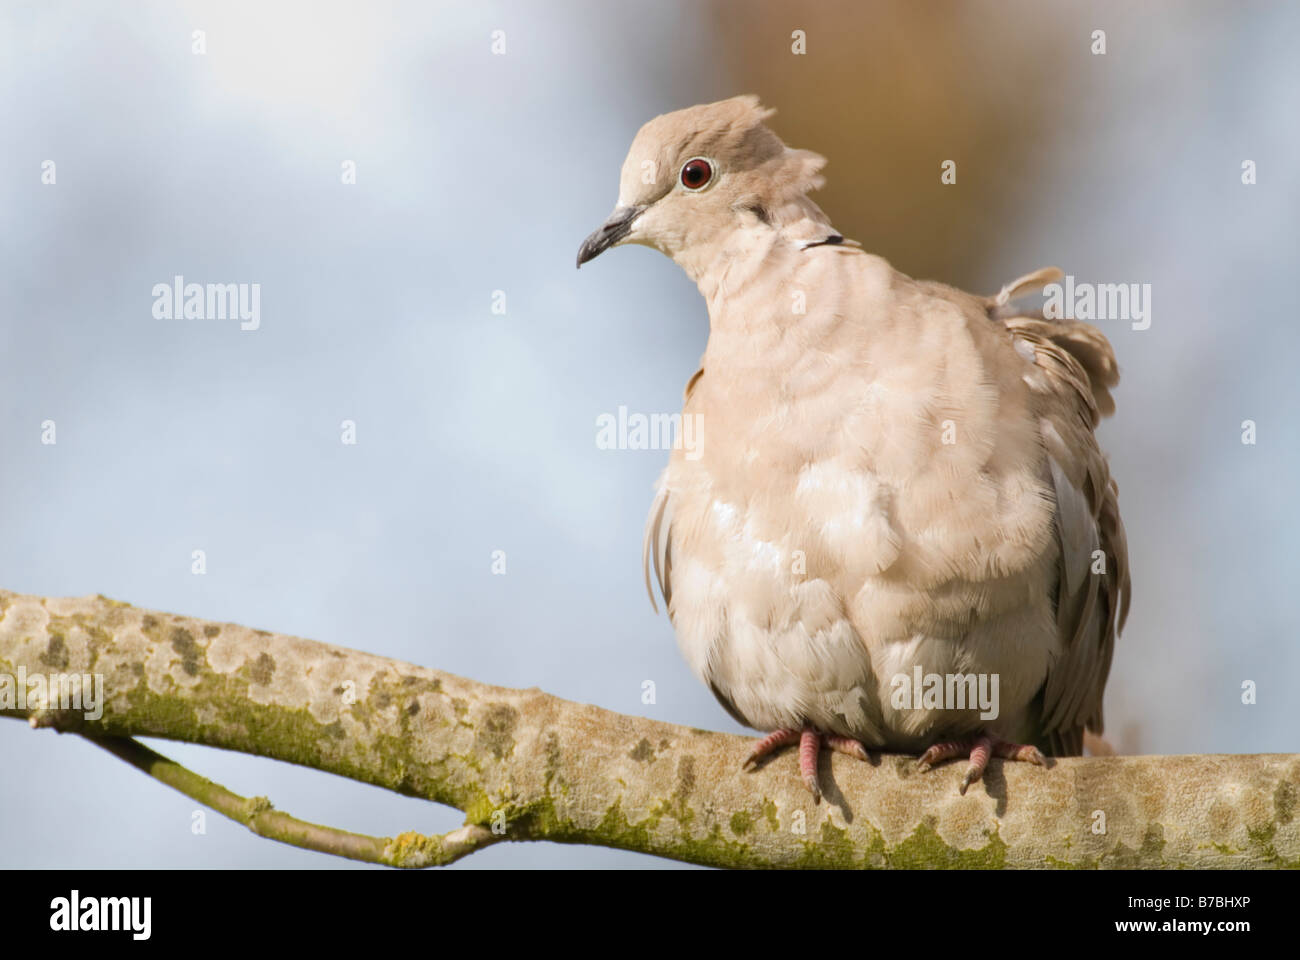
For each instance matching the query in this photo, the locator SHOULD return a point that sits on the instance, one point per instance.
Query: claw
(979, 749)
(940, 752)
(847, 745)
(770, 744)
(810, 743)
(809, 746)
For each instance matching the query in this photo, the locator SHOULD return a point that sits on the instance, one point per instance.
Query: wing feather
(1074, 372)
(656, 543)
(654, 547)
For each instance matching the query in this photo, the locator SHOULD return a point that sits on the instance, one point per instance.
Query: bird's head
(696, 175)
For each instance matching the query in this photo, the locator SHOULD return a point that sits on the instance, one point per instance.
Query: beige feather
(894, 474)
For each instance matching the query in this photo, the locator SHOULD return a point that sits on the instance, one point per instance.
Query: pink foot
(979, 749)
(810, 743)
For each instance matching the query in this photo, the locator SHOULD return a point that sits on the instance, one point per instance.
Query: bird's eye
(696, 174)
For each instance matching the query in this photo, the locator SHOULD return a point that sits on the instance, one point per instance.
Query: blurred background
(479, 172)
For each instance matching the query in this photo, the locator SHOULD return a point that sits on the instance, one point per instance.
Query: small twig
(256, 813)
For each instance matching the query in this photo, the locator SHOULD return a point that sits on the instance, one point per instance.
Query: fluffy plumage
(893, 473)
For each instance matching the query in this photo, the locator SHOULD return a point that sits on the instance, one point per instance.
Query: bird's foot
(810, 743)
(979, 749)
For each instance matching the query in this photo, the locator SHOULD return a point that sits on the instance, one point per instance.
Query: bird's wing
(656, 549)
(1074, 371)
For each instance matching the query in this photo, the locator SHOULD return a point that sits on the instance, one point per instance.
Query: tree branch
(524, 765)
(406, 850)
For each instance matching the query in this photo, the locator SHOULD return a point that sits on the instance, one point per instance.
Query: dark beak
(611, 232)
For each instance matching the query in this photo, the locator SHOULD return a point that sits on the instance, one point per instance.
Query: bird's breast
(839, 527)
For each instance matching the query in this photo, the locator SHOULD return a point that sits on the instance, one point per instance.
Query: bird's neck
(776, 295)
(760, 242)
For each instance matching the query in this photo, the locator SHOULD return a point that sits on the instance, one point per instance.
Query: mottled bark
(524, 765)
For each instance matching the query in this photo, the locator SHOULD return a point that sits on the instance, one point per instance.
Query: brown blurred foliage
(887, 91)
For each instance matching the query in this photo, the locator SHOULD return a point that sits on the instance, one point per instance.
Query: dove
(897, 531)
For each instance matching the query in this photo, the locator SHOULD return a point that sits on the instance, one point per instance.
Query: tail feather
(1082, 341)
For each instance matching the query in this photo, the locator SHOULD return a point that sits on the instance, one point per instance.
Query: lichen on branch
(523, 765)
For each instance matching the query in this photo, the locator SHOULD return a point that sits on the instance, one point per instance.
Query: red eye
(696, 173)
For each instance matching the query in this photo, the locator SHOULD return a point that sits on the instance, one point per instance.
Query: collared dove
(895, 479)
